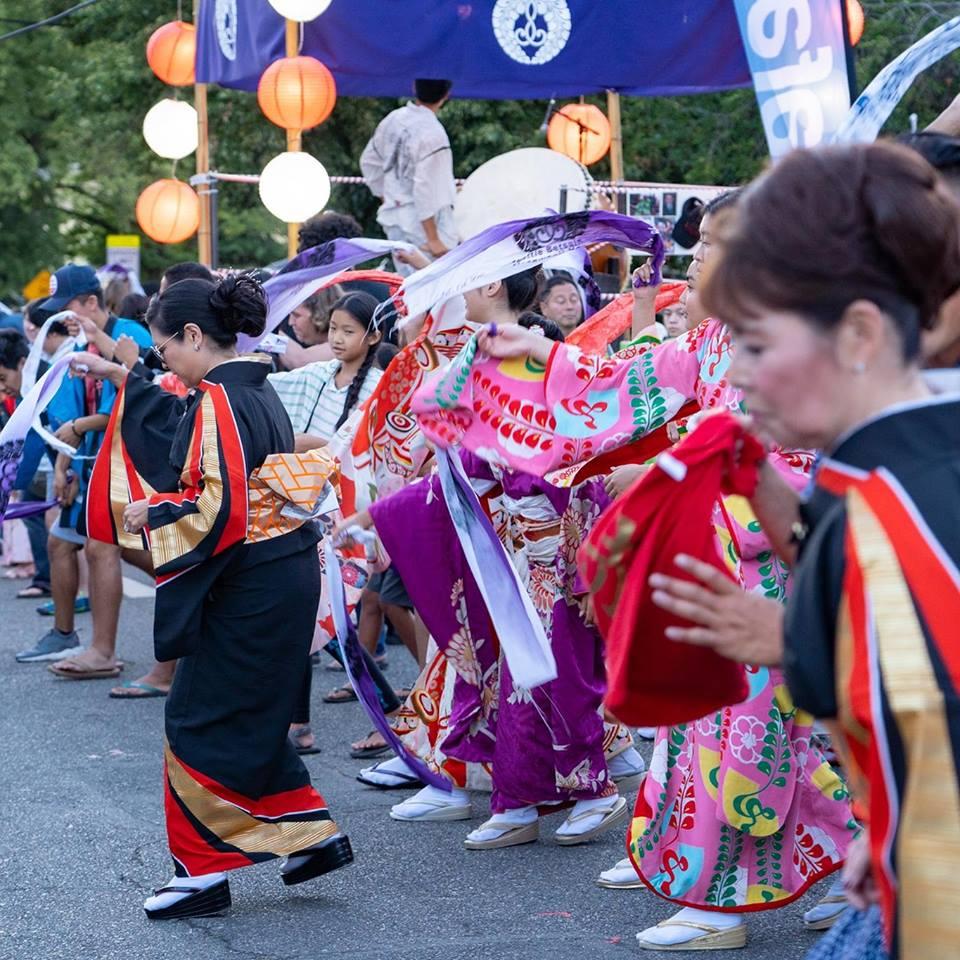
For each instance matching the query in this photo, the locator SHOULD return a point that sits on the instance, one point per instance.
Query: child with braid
(321, 396)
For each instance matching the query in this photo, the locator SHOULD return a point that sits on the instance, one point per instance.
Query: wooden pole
(294, 137)
(616, 136)
(616, 165)
(205, 233)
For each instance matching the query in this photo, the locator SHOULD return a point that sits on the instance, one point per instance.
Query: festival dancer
(543, 746)
(238, 586)
(720, 827)
(868, 635)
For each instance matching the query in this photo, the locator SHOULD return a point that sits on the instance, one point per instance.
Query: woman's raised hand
(92, 365)
(504, 341)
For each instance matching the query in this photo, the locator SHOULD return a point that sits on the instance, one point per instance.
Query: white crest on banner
(226, 17)
(532, 31)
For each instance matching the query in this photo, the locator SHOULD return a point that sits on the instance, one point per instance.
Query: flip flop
(302, 750)
(340, 695)
(139, 691)
(85, 672)
(369, 753)
(33, 592)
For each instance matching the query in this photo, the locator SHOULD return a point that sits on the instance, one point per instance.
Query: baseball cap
(68, 282)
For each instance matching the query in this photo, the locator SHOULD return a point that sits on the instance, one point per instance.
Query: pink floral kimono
(739, 811)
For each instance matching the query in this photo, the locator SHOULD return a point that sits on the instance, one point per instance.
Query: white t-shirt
(312, 398)
(409, 165)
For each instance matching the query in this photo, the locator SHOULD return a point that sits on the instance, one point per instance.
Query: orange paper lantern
(855, 20)
(297, 93)
(172, 53)
(581, 131)
(168, 211)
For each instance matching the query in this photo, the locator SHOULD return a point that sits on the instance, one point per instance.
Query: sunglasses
(157, 351)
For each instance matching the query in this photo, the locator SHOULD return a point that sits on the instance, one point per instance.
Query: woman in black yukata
(828, 314)
(238, 585)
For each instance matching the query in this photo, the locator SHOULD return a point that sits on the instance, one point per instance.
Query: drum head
(521, 183)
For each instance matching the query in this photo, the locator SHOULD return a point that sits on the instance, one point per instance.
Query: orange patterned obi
(288, 490)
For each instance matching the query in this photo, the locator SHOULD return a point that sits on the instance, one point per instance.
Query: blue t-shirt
(117, 326)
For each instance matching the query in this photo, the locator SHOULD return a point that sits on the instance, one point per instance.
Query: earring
(196, 346)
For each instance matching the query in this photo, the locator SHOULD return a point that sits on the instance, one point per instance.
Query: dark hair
(431, 91)
(523, 289)
(385, 353)
(38, 317)
(557, 280)
(134, 306)
(221, 309)
(321, 305)
(723, 201)
(14, 347)
(187, 270)
(325, 227)
(941, 152)
(98, 293)
(829, 226)
(362, 307)
(550, 329)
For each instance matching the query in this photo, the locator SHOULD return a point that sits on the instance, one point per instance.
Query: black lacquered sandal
(210, 902)
(332, 856)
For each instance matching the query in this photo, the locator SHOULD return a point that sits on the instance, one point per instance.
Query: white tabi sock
(600, 804)
(670, 936)
(435, 797)
(388, 773)
(626, 764)
(200, 882)
(518, 817)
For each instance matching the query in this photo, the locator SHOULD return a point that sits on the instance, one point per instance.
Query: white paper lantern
(294, 187)
(170, 129)
(300, 10)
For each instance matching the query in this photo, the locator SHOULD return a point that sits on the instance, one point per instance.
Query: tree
(73, 161)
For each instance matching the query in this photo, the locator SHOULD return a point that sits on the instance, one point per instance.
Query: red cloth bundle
(613, 320)
(653, 681)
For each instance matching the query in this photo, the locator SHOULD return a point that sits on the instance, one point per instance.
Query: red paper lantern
(297, 93)
(855, 20)
(581, 131)
(168, 211)
(172, 53)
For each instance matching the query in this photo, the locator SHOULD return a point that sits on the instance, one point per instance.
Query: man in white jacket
(409, 165)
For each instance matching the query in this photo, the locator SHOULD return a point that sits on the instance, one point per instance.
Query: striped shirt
(312, 398)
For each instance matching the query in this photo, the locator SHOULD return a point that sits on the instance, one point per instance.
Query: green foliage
(72, 158)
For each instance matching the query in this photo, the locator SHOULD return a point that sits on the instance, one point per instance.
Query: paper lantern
(294, 187)
(168, 211)
(170, 129)
(297, 93)
(300, 10)
(855, 20)
(172, 53)
(581, 131)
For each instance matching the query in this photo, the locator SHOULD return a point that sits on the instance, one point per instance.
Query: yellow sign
(124, 249)
(123, 240)
(39, 286)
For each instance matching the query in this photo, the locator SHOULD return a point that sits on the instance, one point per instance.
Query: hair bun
(240, 304)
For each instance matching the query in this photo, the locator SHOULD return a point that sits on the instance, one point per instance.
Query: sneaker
(80, 605)
(51, 646)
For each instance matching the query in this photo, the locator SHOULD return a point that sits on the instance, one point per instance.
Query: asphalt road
(82, 843)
